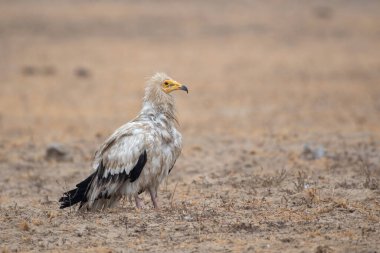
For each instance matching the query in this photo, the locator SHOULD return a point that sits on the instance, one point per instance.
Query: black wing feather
(79, 194)
(136, 171)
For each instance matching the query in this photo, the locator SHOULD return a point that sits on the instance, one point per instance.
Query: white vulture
(138, 156)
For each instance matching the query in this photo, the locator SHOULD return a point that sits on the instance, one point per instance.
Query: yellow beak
(171, 85)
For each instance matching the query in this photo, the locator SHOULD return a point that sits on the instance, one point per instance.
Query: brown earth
(281, 126)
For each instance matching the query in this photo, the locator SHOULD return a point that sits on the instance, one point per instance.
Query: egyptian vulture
(138, 156)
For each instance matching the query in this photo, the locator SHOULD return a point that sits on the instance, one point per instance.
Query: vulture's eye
(166, 83)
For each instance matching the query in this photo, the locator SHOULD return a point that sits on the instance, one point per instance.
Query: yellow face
(171, 85)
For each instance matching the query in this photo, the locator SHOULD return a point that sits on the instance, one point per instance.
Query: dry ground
(281, 125)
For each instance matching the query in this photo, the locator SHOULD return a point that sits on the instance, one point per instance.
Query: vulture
(138, 156)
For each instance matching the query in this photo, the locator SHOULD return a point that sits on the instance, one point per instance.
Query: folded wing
(120, 160)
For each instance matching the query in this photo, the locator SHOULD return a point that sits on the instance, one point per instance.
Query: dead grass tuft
(52, 214)
(300, 184)
(24, 225)
(243, 227)
(323, 249)
(370, 181)
(5, 250)
(275, 180)
(37, 222)
(172, 195)
(341, 203)
(313, 195)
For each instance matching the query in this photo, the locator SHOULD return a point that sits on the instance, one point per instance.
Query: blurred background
(76, 69)
(281, 126)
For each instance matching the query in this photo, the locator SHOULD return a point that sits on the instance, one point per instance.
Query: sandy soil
(281, 125)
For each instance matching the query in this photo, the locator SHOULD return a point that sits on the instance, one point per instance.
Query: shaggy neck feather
(158, 102)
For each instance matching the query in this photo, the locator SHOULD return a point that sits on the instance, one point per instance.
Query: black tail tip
(71, 198)
(78, 194)
(65, 201)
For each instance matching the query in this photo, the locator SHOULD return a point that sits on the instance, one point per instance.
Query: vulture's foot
(139, 202)
(153, 196)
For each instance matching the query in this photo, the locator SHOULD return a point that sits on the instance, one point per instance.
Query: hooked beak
(183, 87)
(171, 85)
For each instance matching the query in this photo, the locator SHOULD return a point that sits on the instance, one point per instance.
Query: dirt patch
(281, 125)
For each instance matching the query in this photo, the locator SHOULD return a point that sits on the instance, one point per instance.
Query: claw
(138, 202)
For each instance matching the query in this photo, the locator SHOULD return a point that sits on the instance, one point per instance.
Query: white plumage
(138, 156)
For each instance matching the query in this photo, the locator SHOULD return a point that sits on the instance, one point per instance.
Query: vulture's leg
(138, 201)
(153, 196)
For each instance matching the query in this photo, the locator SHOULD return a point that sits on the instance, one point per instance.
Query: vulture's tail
(78, 194)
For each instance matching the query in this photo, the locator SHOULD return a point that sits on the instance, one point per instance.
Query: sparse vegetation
(370, 181)
(272, 85)
(300, 183)
(275, 180)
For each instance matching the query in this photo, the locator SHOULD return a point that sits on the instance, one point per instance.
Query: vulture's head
(165, 83)
(159, 88)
